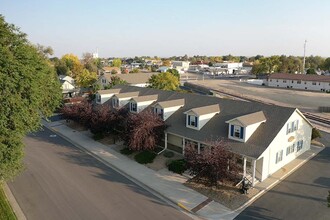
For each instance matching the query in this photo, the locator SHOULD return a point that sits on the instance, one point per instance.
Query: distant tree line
(290, 64)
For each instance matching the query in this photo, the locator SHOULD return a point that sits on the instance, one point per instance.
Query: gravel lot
(304, 100)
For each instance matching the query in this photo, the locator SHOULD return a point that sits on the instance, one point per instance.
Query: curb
(244, 206)
(14, 204)
(171, 202)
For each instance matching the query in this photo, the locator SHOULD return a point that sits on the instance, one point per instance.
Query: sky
(127, 28)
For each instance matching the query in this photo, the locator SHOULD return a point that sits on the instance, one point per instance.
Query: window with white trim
(279, 156)
(300, 145)
(115, 103)
(98, 98)
(236, 131)
(290, 149)
(159, 112)
(133, 107)
(192, 120)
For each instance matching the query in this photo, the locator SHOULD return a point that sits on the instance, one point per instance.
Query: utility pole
(304, 60)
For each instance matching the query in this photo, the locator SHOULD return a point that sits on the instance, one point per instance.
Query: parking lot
(304, 100)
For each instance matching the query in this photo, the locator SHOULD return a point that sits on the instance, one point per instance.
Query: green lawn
(6, 213)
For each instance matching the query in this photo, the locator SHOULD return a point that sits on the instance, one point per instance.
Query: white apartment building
(299, 81)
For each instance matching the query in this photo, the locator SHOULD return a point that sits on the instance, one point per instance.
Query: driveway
(302, 195)
(62, 182)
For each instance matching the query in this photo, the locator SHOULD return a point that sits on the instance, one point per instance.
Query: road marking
(183, 206)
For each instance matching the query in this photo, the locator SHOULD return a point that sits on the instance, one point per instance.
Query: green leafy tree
(326, 64)
(45, 51)
(73, 64)
(164, 81)
(89, 62)
(61, 68)
(29, 90)
(135, 70)
(86, 79)
(267, 65)
(174, 72)
(115, 80)
(311, 71)
(116, 63)
(316, 133)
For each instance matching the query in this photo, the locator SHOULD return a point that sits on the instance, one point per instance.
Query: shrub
(168, 154)
(98, 136)
(315, 134)
(145, 157)
(126, 151)
(177, 166)
(328, 199)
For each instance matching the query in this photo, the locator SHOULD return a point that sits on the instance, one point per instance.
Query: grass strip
(6, 212)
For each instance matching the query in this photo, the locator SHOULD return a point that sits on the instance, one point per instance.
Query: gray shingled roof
(251, 119)
(145, 98)
(303, 77)
(125, 94)
(171, 103)
(217, 127)
(109, 91)
(205, 110)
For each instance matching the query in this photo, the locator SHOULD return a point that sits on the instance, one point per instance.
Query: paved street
(62, 182)
(300, 196)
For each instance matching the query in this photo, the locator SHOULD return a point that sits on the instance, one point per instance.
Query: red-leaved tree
(79, 112)
(215, 163)
(101, 119)
(143, 131)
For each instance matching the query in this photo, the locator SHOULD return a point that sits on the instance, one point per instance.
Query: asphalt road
(62, 182)
(301, 196)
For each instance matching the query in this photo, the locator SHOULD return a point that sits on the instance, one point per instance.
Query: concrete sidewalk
(168, 184)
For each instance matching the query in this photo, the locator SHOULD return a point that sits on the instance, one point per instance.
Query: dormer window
(98, 98)
(237, 131)
(166, 108)
(133, 107)
(159, 112)
(193, 121)
(115, 103)
(196, 118)
(241, 128)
